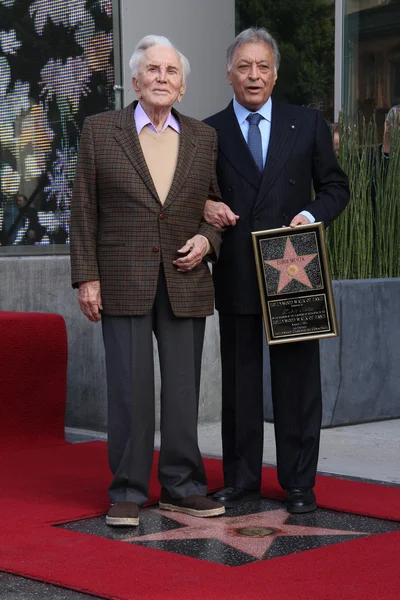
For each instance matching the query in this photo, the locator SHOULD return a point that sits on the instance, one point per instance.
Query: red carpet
(33, 362)
(44, 485)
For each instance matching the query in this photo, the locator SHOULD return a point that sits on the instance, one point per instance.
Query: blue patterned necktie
(254, 139)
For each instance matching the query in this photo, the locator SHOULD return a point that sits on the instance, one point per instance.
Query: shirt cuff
(308, 215)
(208, 243)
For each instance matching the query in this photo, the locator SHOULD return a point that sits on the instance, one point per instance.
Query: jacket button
(230, 189)
(156, 249)
(256, 219)
(284, 216)
(162, 216)
(292, 181)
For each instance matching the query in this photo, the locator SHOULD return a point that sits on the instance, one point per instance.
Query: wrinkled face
(252, 75)
(160, 78)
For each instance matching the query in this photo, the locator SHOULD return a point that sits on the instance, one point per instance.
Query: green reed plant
(387, 200)
(364, 241)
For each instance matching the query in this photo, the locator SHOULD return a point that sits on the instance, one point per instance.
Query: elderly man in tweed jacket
(139, 246)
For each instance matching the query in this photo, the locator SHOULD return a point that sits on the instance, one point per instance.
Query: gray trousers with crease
(128, 343)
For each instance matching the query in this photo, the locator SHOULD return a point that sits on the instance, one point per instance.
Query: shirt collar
(142, 120)
(242, 113)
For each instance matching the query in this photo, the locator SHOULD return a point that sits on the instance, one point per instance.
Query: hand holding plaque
(295, 283)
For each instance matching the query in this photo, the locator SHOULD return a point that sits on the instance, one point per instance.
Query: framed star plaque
(295, 283)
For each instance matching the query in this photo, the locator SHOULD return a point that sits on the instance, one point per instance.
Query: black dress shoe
(231, 496)
(301, 500)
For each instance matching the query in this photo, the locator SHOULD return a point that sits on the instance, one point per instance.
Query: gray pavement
(367, 451)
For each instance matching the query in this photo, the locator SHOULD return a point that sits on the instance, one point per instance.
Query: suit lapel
(284, 131)
(187, 152)
(127, 137)
(234, 147)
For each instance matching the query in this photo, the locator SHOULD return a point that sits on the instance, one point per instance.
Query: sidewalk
(368, 451)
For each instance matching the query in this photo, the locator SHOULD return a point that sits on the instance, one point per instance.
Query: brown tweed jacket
(120, 231)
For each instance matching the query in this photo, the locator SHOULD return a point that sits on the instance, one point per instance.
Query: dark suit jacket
(300, 154)
(119, 228)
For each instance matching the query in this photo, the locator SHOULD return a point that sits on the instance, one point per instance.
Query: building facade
(61, 61)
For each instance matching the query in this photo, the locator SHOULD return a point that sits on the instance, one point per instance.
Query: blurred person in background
(392, 120)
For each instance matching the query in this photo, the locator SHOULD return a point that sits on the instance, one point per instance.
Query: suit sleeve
(213, 234)
(84, 216)
(330, 182)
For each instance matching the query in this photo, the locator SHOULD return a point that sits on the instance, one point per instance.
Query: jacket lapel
(234, 147)
(284, 131)
(127, 137)
(187, 152)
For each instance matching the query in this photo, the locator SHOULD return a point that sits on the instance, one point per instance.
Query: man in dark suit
(270, 155)
(138, 249)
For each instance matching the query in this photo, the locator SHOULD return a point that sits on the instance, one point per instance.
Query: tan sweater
(161, 153)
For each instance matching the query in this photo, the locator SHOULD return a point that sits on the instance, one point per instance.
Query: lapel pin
(292, 126)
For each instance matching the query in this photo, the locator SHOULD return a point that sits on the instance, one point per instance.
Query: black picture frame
(295, 283)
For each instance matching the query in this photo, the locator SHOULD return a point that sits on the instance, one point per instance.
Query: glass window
(371, 58)
(56, 67)
(305, 32)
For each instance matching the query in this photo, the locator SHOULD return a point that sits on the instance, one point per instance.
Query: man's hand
(299, 220)
(89, 298)
(219, 214)
(196, 248)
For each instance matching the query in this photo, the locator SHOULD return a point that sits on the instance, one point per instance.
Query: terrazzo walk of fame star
(256, 530)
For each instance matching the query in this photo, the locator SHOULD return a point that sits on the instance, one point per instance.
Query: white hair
(155, 40)
(393, 115)
(252, 36)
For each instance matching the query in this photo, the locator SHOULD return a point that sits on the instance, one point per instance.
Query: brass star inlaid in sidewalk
(291, 266)
(231, 530)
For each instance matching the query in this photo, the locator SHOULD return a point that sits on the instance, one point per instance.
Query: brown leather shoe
(195, 505)
(123, 514)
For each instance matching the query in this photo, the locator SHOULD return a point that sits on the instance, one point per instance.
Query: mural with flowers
(56, 68)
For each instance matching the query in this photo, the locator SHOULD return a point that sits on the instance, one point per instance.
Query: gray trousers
(128, 343)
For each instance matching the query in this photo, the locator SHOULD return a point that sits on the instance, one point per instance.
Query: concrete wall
(361, 368)
(43, 285)
(201, 30)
